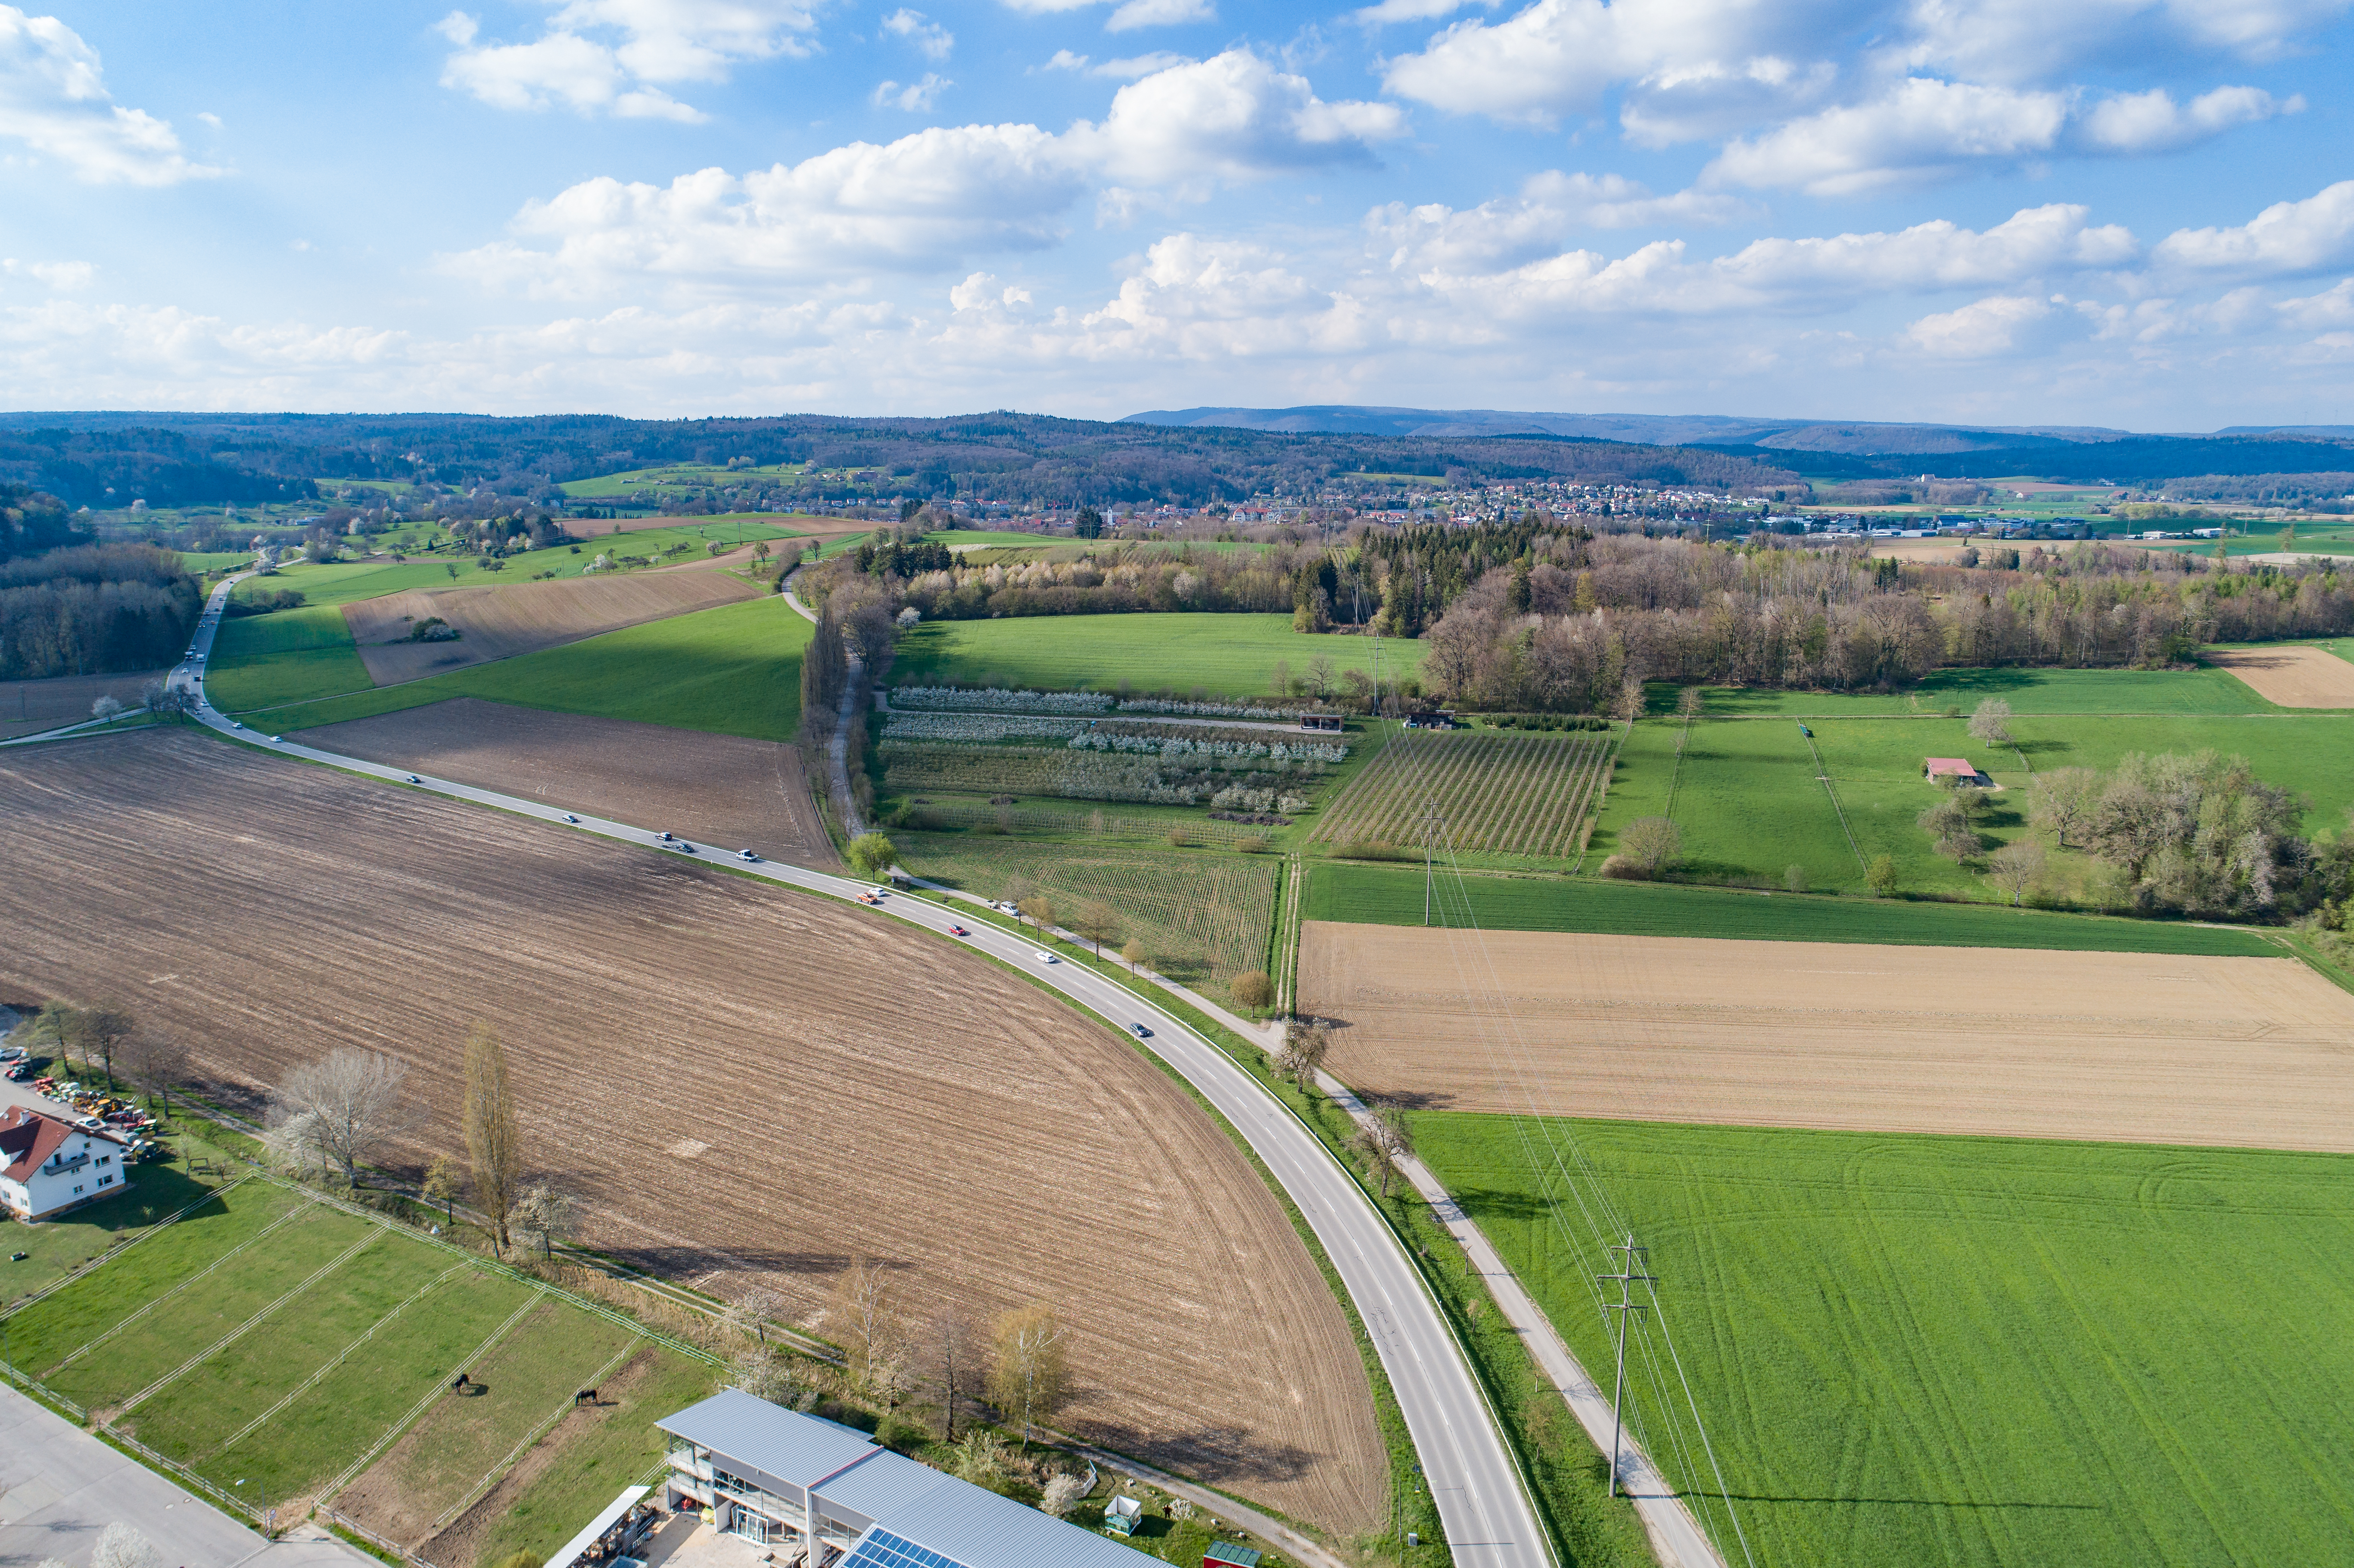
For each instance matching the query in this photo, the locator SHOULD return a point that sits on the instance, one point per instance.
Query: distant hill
(1865, 438)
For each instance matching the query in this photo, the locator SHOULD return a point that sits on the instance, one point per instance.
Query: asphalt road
(1488, 1516)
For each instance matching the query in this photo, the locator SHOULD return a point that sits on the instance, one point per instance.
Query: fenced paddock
(305, 1347)
(1499, 794)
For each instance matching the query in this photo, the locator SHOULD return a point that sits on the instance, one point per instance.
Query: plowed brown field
(718, 788)
(2133, 1047)
(27, 707)
(2296, 677)
(520, 617)
(748, 1085)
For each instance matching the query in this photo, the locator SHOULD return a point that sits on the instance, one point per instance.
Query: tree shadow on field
(1231, 1457)
(687, 1262)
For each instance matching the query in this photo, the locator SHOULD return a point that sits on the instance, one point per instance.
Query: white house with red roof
(53, 1163)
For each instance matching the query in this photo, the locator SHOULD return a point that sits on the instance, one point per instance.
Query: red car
(959, 931)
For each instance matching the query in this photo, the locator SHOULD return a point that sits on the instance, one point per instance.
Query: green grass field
(1203, 914)
(1974, 1351)
(1220, 655)
(2204, 689)
(697, 475)
(1393, 895)
(292, 656)
(733, 670)
(343, 582)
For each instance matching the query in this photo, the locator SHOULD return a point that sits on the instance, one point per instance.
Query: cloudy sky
(2111, 212)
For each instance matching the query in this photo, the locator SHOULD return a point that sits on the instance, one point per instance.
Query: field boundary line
(1601, 794)
(1823, 774)
(332, 1264)
(392, 1433)
(382, 1542)
(186, 1475)
(75, 1355)
(25, 1380)
(308, 1383)
(484, 1488)
(117, 1249)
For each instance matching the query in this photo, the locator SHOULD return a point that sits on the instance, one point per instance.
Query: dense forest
(1566, 626)
(92, 609)
(32, 521)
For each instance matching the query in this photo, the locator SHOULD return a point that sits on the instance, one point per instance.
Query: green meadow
(1985, 1352)
(1396, 896)
(292, 656)
(1220, 655)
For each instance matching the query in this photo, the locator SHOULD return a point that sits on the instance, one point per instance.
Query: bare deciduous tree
(123, 1546)
(353, 1101)
(1305, 1047)
(547, 1212)
(1383, 1141)
(950, 1355)
(1098, 923)
(104, 1028)
(864, 1316)
(156, 1062)
(1990, 723)
(1652, 843)
(441, 1186)
(1133, 955)
(2015, 867)
(1062, 1495)
(2065, 798)
(1030, 1370)
(494, 1132)
(749, 1313)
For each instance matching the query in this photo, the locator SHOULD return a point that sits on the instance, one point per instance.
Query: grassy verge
(1913, 1348)
(1392, 896)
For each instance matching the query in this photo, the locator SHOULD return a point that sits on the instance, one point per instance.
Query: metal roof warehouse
(773, 1475)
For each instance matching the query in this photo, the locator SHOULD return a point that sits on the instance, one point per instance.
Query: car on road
(879, 892)
(413, 778)
(274, 739)
(236, 724)
(959, 931)
(1044, 956)
(683, 847)
(1140, 1031)
(665, 837)
(571, 817)
(746, 856)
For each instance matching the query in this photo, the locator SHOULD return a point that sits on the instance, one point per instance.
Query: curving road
(1488, 1516)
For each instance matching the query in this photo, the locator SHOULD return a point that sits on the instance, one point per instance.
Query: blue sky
(2109, 212)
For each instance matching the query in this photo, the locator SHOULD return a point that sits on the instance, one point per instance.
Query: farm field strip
(267, 1310)
(1514, 794)
(146, 1233)
(320, 1376)
(2127, 1047)
(564, 1408)
(153, 1302)
(249, 1371)
(407, 1420)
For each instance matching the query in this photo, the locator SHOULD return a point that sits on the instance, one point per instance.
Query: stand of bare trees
(1029, 1367)
(493, 1133)
(340, 1109)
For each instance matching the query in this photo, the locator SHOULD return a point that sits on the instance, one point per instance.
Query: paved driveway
(64, 1486)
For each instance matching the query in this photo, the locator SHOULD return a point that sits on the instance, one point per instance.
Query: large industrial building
(775, 1477)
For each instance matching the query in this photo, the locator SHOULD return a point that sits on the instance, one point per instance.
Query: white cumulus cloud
(53, 99)
(2152, 121)
(619, 57)
(932, 40)
(2284, 239)
(1979, 330)
(1234, 116)
(916, 98)
(1924, 131)
(1134, 14)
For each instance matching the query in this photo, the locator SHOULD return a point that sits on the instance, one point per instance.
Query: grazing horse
(584, 1396)
(463, 1385)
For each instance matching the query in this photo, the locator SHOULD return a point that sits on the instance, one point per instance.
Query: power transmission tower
(1432, 824)
(1626, 1279)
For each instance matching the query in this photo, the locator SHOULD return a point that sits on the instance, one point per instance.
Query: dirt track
(500, 621)
(27, 707)
(748, 1085)
(715, 788)
(2295, 677)
(2131, 1047)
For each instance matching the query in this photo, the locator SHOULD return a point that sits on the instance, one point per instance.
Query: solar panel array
(881, 1549)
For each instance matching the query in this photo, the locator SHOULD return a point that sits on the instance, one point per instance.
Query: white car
(746, 856)
(274, 739)
(571, 817)
(1044, 956)
(880, 891)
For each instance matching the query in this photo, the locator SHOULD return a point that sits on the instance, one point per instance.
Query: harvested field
(2295, 677)
(500, 622)
(2135, 1047)
(715, 788)
(27, 707)
(844, 1086)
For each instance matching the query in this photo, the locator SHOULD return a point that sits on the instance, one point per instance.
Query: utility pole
(1625, 1279)
(1432, 824)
